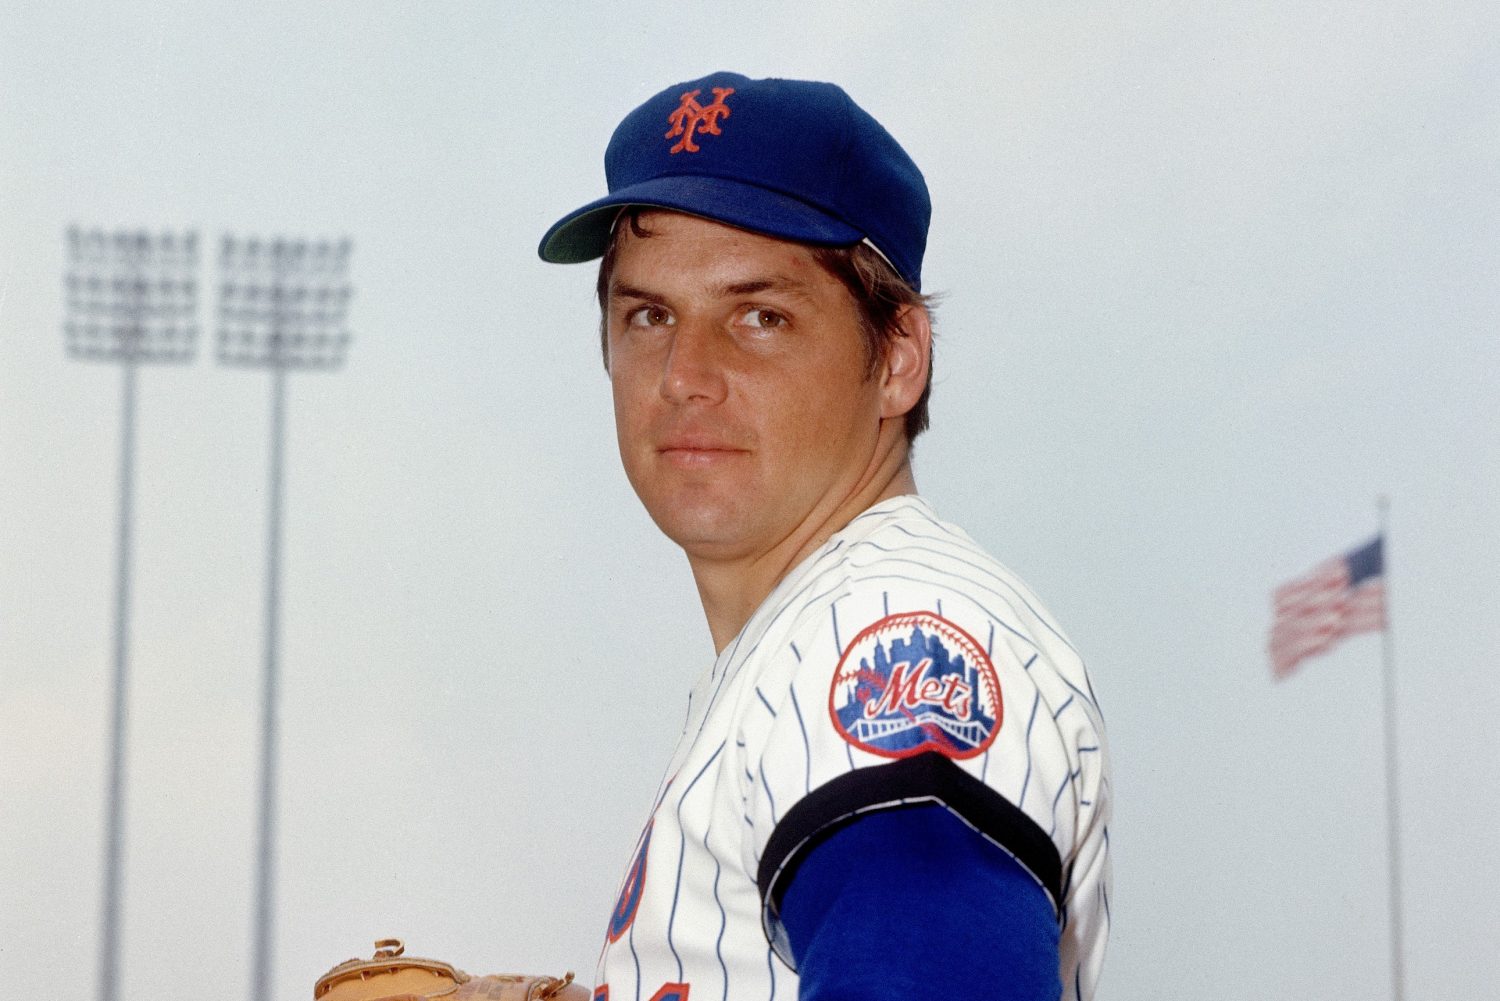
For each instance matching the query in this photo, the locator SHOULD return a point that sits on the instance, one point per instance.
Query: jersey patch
(916, 682)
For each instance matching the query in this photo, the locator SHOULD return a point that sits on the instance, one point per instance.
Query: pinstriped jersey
(897, 665)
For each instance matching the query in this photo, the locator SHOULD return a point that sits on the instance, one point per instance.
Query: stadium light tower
(132, 299)
(282, 305)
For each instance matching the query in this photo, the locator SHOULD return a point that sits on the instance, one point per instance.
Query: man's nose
(694, 369)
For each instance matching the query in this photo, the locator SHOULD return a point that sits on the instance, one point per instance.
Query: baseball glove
(393, 976)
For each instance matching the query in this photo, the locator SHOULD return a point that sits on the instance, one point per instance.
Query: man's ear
(907, 358)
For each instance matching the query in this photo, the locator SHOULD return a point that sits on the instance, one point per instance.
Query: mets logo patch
(691, 119)
(916, 682)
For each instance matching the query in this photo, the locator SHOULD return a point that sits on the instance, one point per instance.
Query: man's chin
(705, 531)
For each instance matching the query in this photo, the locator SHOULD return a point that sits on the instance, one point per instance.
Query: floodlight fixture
(282, 306)
(282, 303)
(132, 298)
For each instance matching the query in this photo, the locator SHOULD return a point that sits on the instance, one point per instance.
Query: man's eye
(762, 318)
(648, 316)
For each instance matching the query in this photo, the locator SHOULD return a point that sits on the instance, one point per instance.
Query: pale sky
(1214, 277)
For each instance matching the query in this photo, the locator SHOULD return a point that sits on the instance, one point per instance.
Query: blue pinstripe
(887, 575)
(848, 570)
(1080, 693)
(806, 745)
(723, 917)
(734, 658)
(770, 799)
(636, 958)
(1036, 700)
(883, 574)
(682, 856)
(719, 684)
(1072, 777)
(964, 544)
(892, 557)
(1083, 751)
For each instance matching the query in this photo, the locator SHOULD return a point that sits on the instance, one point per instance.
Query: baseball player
(891, 782)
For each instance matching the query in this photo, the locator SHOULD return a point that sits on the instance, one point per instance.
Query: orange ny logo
(692, 117)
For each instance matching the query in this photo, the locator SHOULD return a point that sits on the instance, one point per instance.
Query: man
(891, 781)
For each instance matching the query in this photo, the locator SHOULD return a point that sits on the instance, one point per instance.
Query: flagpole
(1392, 810)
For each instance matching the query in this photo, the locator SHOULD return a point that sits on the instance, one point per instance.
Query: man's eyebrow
(771, 283)
(617, 290)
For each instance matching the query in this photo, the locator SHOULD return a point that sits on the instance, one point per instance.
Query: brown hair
(880, 295)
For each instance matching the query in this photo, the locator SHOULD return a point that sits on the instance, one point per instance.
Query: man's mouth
(697, 451)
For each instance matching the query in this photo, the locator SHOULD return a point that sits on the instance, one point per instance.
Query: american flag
(1339, 597)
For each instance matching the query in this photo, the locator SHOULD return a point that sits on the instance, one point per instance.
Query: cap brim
(584, 234)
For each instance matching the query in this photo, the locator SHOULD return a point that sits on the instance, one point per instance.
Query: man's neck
(731, 590)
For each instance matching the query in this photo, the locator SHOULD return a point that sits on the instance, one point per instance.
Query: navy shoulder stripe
(919, 780)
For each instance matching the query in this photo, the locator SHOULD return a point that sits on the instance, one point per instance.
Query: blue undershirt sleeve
(914, 903)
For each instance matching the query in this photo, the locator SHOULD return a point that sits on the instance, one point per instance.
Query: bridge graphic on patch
(916, 682)
(963, 734)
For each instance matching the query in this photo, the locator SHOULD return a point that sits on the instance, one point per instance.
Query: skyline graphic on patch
(916, 682)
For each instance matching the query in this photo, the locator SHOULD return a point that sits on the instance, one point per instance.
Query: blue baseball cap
(788, 158)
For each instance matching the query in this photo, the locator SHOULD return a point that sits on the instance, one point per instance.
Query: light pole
(282, 305)
(132, 298)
